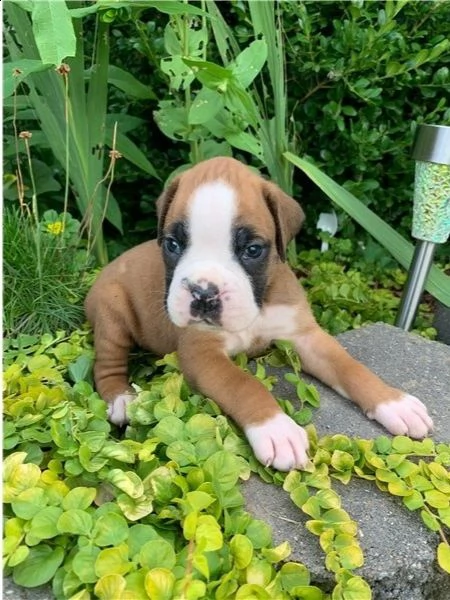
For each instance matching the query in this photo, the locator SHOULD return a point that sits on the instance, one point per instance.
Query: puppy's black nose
(206, 303)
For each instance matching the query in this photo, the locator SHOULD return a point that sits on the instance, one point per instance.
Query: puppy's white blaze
(209, 259)
(211, 213)
(406, 416)
(279, 442)
(117, 409)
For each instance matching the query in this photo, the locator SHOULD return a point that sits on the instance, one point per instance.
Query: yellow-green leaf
(159, 584)
(443, 556)
(110, 587)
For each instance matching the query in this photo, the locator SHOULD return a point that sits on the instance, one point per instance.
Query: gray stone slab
(399, 551)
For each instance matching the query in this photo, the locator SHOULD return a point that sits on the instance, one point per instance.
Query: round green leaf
(112, 561)
(110, 529)
(277, 554)
(242, 550)
(80, 497)
(159, 584)
(43, 525)
(39, 567)
(75, 521)
(127, 481)
(403, 444)
(110, 587)
(293, 575)
(208, 534)
(83, 564)
(443, 556)
(29, 502)
(259, 533)
(157, 553)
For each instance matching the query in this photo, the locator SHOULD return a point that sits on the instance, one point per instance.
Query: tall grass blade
(438, 284)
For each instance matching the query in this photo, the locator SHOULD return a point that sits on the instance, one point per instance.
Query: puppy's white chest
(273, 323)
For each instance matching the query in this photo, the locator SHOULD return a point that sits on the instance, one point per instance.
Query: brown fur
(126, 307)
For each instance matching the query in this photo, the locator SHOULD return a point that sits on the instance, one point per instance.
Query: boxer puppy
(215, 283)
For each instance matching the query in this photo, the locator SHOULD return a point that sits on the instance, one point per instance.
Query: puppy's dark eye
(253, 251)
(172, 245)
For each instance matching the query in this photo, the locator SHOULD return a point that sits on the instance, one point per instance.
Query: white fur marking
(117, 409)
(407, 416)
(210, 259)
(279, 442)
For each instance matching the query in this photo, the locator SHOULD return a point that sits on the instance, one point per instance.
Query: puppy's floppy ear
(286, 213)
(163, 204)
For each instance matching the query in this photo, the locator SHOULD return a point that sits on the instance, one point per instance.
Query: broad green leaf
(127, 481)
(351, 557)
(293, 575)
(437, 499)
(80, 497)
(75, 521)
(414, 501)
(53, 31)
(17, 71)
(43, 524)
(110, 587)
(403, 444)
(29, 502)
(159, 584)
(182, 452)
(354, 588)
(252, 591)
(39, 566)
(438, 284)
(205, 106)
(126, 82)
(157, 553)
(249, 62)
(83, 564)
(430, 520)
(110, 529)
(135, 508)
(328, 499)
(342, 461)
(130, 151)
(170, 429)
(18, 556)
(278, 553)
(223, 469)
(443, 556)
(198, 500)
(138, 535)
(208, 534)
(112, 561)
(259, 534)
(242, 550)
(307, 592)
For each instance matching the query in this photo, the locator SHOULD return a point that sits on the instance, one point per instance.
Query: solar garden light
(431, 212)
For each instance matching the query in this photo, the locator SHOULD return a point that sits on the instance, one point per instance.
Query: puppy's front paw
(279, 442)
(405, 416)
(117, 409)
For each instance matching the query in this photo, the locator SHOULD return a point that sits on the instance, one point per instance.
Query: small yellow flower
(56, 228)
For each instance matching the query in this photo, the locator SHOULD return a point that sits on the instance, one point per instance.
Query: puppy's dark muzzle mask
(206, 303)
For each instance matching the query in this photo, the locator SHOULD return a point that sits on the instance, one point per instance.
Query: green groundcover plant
(157, 512)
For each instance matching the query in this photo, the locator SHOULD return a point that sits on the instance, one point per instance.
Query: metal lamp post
(431, 212)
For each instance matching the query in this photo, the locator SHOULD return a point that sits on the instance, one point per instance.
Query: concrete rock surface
(399, 550)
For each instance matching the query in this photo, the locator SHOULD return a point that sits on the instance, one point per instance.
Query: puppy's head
(221, 230)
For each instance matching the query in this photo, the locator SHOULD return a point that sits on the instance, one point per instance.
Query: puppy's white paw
(406, 416)
(279, 442)
(117, 409)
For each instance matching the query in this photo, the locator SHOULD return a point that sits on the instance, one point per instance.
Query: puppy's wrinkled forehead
(223, 196)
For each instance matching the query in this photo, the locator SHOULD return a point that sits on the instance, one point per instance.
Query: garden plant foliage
(158, 513)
